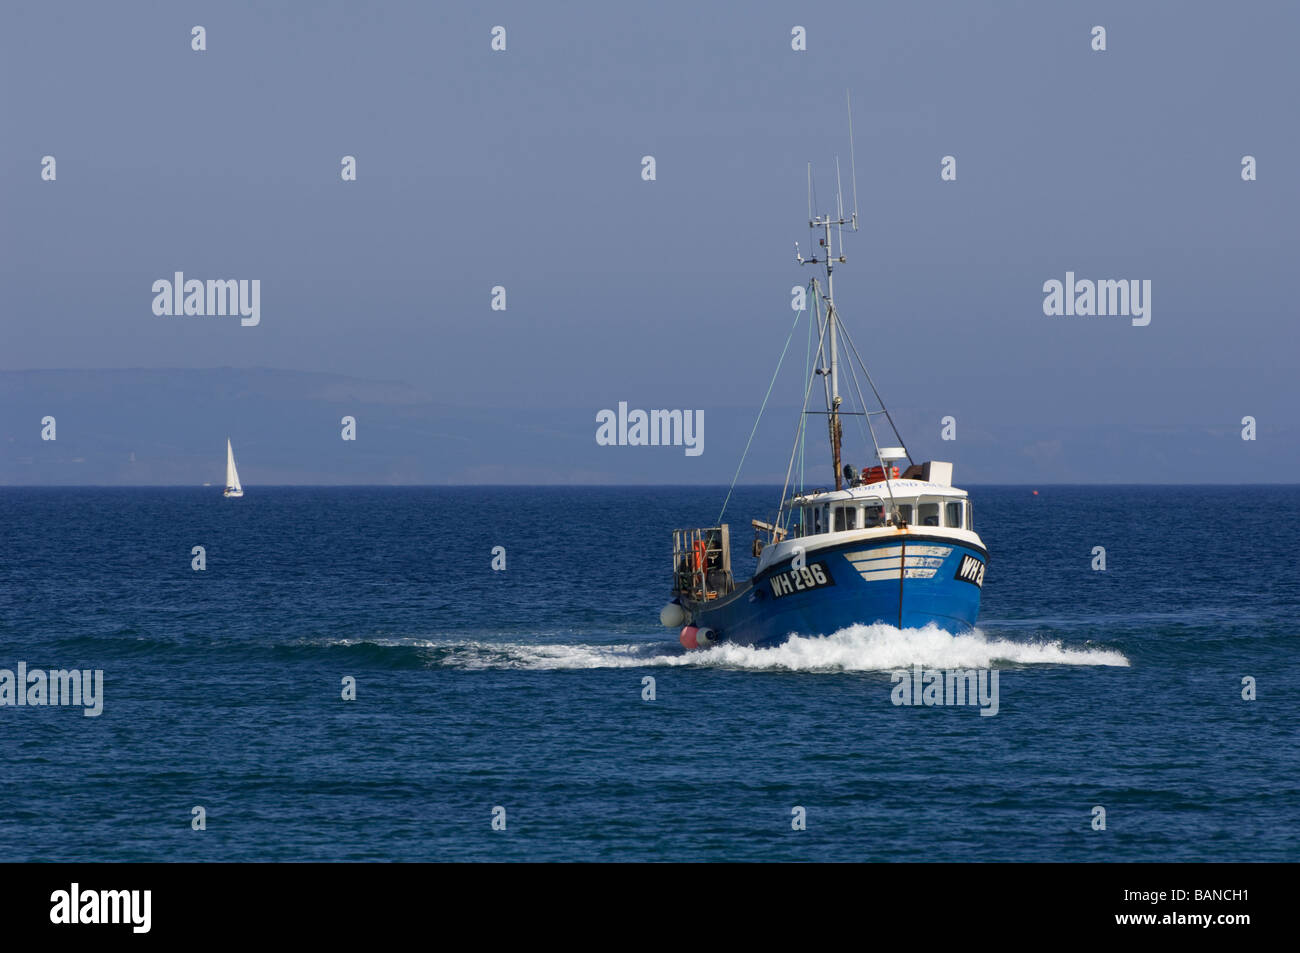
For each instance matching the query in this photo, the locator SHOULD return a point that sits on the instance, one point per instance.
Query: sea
(479, 674)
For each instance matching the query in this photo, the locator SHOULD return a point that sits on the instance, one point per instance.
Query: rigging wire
(798, 432)
(867, 374)
(770, 384)
(889, 485)
(861, 403)
(884, 464)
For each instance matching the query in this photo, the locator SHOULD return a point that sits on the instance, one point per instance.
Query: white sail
(232, 475)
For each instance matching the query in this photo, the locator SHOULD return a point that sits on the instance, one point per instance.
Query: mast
(829, 260)
(232, 475)
(833, 330)
(837, 431)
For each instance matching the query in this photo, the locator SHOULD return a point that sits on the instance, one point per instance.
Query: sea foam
(858, 648)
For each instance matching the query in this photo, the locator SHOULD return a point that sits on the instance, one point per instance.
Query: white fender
(672, 615)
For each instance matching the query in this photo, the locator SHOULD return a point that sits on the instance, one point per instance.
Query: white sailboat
(232, 475)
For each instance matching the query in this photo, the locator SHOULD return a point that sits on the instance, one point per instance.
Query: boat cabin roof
(907, 489)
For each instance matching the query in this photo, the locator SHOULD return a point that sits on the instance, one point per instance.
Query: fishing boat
(233, 489)
(880, 545)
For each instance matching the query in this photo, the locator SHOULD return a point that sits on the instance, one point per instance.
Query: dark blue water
(523, 688)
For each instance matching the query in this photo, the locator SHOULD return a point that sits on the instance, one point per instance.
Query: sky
(523, 169)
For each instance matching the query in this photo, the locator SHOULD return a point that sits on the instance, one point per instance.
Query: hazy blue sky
(522, 169)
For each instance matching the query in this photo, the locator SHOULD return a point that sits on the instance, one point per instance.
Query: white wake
(858, 648)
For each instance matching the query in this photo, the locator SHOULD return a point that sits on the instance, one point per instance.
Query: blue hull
(906, 583)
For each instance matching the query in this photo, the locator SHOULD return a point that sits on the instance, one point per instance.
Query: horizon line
(575, 486)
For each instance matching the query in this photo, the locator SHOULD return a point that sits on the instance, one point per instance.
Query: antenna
(852, 161)
(810, 214)
(839, 198)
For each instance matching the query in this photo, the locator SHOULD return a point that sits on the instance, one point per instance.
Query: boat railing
(702, 563)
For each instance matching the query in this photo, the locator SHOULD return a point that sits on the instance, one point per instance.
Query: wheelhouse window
(953, 508)
(873, 514)
(928, 514)
(818, 521)
(846, 518)
(905, 511)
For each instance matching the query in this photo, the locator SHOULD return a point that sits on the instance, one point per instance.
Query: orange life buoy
(701, 551)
